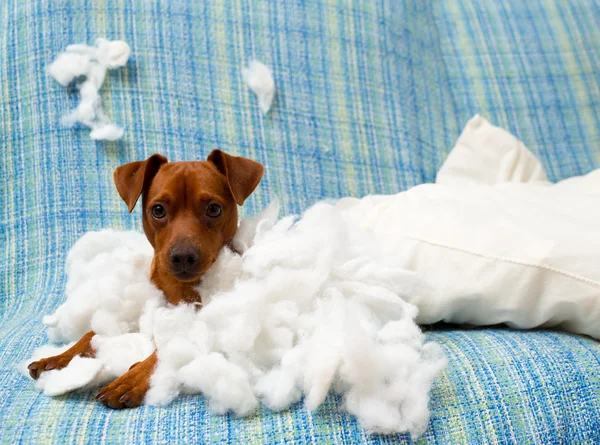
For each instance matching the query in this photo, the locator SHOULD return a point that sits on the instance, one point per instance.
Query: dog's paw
(127, 391)
(48, 364)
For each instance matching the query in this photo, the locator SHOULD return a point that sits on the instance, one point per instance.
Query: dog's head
(189, 208)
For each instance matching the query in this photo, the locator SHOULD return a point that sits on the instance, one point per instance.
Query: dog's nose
(183, 258)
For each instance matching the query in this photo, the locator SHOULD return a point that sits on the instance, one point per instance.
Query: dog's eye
(214, 210)
(158, 211)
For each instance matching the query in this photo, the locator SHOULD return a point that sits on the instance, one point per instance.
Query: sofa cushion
(531, 68)
(371, 96)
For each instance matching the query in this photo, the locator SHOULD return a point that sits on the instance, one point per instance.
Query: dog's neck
(175, 291)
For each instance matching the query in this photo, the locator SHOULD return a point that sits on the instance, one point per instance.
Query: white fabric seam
(508, 260)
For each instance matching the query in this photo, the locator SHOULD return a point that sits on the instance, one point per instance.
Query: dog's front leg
(128, 391)
(82, 348)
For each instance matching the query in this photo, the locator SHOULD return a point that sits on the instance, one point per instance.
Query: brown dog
(189, 214)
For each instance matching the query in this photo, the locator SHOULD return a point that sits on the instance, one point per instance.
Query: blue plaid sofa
(371, 96)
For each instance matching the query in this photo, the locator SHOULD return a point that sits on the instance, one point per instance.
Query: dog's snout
(184, 258)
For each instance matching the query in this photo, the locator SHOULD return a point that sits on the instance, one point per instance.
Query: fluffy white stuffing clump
(259, 79)
(311, 305)
(91, 63)
(108, 286)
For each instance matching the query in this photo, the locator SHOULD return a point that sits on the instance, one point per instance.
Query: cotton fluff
(91, 63)
(108, 286)
(259, 79)
(310, 306)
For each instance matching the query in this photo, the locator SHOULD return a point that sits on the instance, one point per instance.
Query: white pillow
(492, 241)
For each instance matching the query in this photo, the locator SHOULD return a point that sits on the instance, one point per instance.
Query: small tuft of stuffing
(259, 79)
(80, 373)
(91, 63)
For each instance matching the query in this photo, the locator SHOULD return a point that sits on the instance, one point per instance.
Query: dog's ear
(133, 178)
(243, 175)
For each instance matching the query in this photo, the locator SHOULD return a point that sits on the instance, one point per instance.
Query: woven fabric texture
(371, 96)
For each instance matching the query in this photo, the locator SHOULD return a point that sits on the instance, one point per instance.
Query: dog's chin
(187, 277)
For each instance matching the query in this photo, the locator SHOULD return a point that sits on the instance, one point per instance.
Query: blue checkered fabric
(371, 96)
